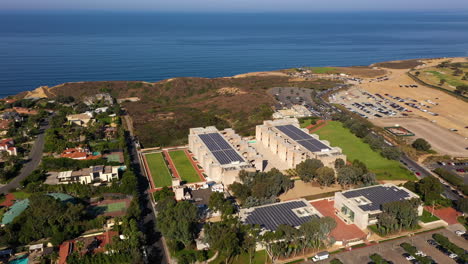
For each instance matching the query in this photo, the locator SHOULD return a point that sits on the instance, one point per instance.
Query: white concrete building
(285, 139)
(222, 154)
(94, 174)
(362, 206)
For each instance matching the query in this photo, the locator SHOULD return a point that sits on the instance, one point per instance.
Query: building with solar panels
(269, 217)
(285, 139)
(362, 206)
(222, 154)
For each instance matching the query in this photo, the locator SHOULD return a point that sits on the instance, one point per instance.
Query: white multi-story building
(94, 174)
(285, 139)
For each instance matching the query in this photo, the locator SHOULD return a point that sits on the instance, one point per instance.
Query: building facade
(293, 145)
(363, 205)
(222, 154)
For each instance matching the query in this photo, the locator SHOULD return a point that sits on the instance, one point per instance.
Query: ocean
(50, 48)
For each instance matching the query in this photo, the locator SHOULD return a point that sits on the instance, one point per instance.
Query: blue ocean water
(51, 48)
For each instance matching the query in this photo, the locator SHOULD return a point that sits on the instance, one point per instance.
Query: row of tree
(362, 129)
(397, 216)
(430, 190)
(259, 188)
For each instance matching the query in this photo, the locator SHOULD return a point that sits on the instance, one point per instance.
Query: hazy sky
(234, 5)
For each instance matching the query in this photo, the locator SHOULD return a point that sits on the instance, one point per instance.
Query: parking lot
(458, 168)
(392, 251)
(369, 105)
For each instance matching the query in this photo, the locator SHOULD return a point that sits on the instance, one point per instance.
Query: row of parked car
(445, 251)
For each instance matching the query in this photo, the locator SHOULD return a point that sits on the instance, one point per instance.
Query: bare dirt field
(452, 111)
(441, 139)
(302, 189)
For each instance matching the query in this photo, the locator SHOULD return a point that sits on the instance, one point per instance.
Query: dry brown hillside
(168, 108)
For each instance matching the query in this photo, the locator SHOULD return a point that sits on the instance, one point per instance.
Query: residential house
(93, 174)
(80, 119)
(10, 115)
(78, 153)
(8, 145)
(89, 245)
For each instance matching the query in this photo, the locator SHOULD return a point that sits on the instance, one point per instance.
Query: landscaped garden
(184, 167)
(158, 169)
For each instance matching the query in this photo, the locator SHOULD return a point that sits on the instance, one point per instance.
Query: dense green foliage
(288, 241)
(377, 259)
(218, 203)
(446, 243)
(307, 170)
(421, 144)
(398, 216)
(430, 190)
(47, 217)
(260, 187)
(162, 194)
(355, 174)
(452, 179)
(177, 220)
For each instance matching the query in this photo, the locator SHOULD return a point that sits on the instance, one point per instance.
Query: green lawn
(355, 148)
(21, 195)
(260, 257)
(427, 217)
(449, 78)
(322, 70)
(159, 171)
(184, 166)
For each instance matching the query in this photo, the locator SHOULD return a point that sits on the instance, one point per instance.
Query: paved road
(154, 241)
(31, 164)
(405, 160)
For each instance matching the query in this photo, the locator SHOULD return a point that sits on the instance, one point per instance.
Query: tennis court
(184, 167)
(107, 207)
(158, 170)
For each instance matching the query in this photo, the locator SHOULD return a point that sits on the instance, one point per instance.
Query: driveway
(31, 164)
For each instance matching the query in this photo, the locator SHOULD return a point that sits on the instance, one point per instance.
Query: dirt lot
(302, 189)
(441, 139)
(450, 109)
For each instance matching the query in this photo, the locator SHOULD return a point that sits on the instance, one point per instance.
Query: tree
(442, 81)
(461, 89)
(421, 144)
(307, 169)
(417, 73)
(177, 221)
(347, 175)
(368, 178)
(462, 205)
(224, 237)
(391, 153)
(325, 176)
(339, 163)
(217, 203)
(164, 193)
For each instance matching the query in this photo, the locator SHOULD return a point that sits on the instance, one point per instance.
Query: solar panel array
(301, 137)
(270, 217)
(220, 148)
(378, 195)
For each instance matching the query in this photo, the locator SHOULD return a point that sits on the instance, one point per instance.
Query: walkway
(343, 231)
(171, 164)
(317, 126)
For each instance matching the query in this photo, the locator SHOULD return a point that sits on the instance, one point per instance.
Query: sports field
(355, 148)
(112, 207)
(158, 169)
(184, 166)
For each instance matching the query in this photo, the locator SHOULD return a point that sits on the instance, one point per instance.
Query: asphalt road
(405, 160)
(155, 250)
(31, 164)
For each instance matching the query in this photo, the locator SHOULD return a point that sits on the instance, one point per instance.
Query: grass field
(426, 217)
(355, 148)
(322, 70)
(21, 195)
(260, 257)
(158, 169)
(184, 166)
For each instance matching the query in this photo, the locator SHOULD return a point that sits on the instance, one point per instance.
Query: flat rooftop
(292, 213)
(303, 138)
(372, 198)
(221, 149)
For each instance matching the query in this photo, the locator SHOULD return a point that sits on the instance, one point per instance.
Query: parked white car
(460, 232)
(453, 255)
(420, 253)
(321, 256)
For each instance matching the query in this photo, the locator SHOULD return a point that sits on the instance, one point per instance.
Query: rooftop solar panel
(378, 195)
(271, 216)
(304, 139)
(221, 149)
